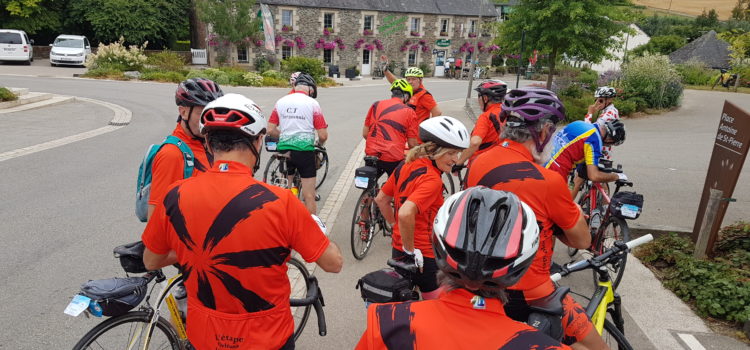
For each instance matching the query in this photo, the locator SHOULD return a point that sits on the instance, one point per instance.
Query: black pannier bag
(626, 205)
(365, 177)
(116, 296)
(384, 286)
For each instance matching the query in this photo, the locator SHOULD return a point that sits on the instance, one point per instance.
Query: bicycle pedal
(317, 197)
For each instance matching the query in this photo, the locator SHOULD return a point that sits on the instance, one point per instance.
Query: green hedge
(162, 75)
(718, 287)
(167, 60)
(695, 73)
(7, 95)
(312, 66)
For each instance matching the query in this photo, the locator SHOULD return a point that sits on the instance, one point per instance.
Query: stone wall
(348, 28)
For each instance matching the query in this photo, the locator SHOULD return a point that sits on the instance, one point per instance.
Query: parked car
(69, 50)
(16, 46)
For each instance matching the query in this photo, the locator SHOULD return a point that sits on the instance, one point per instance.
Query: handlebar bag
(116, 295)
(626, 205)
(384, 286)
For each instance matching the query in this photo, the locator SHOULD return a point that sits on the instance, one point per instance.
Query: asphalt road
(64, 209)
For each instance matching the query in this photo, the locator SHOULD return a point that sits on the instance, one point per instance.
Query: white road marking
(121, 118)
(691, 342)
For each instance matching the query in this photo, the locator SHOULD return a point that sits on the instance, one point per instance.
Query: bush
(327, 82)
(500, 70)
(576, 108)
(235, 75)
(626, 107)
(167, 61)
(718, 287)
(161, 75)
(269, 81)
(262, 64)
(426, 68)
(654, 79)
(253, 79)
(115, 56)
(7, 95)
(660, 45)
(106, 73)
(181, 45)
(588, 78)
(214, 74)
(274, 74)
(694, 73)
(312, 66)
(744, 73)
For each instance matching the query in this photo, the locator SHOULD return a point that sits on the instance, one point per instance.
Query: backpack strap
(187, 154)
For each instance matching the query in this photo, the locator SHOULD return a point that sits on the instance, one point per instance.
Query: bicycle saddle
(552, 304)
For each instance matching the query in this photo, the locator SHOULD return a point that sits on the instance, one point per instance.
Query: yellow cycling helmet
(414, 72)
(403, 85)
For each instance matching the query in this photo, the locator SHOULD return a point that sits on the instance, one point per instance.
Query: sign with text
(392, 24)
(443, 42)
(730, 149)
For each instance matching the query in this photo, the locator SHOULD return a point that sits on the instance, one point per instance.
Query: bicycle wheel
(615, 229)
(128, 331)
(299, 282)
(614, 338)
(323, 166)
(363, 228)
(273, 174)
(448, 187)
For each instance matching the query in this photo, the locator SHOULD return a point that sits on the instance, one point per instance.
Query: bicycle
(367, 218)
(145, 328)
(604, 301)
(725, 79)
(275, 172)
(605, 227)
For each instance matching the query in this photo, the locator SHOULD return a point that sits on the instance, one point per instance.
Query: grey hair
(522, 134)
(448, 283)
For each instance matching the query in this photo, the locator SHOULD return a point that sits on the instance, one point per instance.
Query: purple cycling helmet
(526, 106)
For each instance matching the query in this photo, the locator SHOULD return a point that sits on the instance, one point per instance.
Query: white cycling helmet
(233, 112)
(444, 131)
(606, 92)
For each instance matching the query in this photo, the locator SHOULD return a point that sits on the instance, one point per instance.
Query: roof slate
(708, 49)
(443, 7)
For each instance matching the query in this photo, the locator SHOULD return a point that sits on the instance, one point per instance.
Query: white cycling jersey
(298, 116)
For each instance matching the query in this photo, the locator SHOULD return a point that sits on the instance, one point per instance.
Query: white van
(16, 46)
(69, 49)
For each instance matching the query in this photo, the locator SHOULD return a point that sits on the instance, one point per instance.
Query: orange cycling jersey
(422, 102)
(390, 124)
(169, 164)
(458, 319)
(488, 127)
(419, 182)
(232, 236)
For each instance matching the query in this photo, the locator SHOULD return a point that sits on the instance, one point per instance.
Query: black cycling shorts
(387, 167)
(427, 279)
(582, 171)
(303, 162)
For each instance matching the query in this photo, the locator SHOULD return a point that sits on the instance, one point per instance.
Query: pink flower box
(367, 32)
(472, 35)
(416, 34)
(286, 28)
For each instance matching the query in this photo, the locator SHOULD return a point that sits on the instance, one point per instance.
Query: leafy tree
(660, 45)
(231, 20)
(741, 10)
(159, 22)
(31, 16)
(707, 20)
(582, 28)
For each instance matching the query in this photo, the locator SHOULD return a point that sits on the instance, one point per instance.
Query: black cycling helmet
(495, 89)
(197, 92)
(615, 130)
(484, 238)
(308, 80)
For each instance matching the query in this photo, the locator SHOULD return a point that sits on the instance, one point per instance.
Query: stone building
(355, 33)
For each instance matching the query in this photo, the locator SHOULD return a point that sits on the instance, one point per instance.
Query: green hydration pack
(143, 187)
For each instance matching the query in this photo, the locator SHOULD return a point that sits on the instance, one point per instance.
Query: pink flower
(286, 28)
(329, 46)
(289, 43)
(472, 35)
(471, 48)
(404, 48)
(414, 47)
(342, 46)
(259, 43)
(425, 48)
(318, 45)
(367, 32)
(369, 47)
(413, 33)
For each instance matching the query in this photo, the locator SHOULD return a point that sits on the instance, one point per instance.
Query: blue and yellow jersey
(579, 142)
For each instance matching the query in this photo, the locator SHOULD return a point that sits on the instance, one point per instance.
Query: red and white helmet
(484, 238)
(233, 112)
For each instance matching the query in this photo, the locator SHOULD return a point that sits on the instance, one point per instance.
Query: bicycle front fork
(616, 313)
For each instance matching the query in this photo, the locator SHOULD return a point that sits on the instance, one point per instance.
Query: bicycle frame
(164, 295)
(597, 308)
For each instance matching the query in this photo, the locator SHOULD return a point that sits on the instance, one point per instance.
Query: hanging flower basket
(288, 42)
(327, 31)
(369, 47)
(300, 43)
(259, 43)
(359, 43)
(471, 48)
(378, 44)
(329, 46)
(414, 47)
(425, 48)
(404, 48)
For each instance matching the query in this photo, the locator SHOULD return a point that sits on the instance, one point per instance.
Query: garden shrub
(235, 75)
(167, 60)
(717, 287)
(262, 64)
(7, 95)
(576, 108)
(625, 107)
(163, 75)
(181, 45)
(694, 72)
(588, 78)
(269, 81)
(426, 68)
(106, 73)
(654, 79)
(117, 56)
(274, 74)
(312, 66)
(253, 79)
(327, 82)
(744, 73)
(214, 74)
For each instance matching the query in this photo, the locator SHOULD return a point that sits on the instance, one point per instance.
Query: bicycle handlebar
(402, 265)
(314, 298)
(603, 259)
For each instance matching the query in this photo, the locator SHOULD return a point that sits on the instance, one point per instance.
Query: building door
(365, 62)
(440, 63)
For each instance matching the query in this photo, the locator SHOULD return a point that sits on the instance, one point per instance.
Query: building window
(328, 56)
(286, 18)
(369, 19)
(412, 58)
(242, 55)
(473, 26)
(286, 52)
(365, 57)
(328, 20)
(444, 27)
(415, 25)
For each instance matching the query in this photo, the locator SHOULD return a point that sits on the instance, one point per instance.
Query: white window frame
(246, 50)
(418, 22)
(333, 21)
(291, 51)
(280, 23)
(333, 56)
(416, 58)
(374, 28)
(440, 25)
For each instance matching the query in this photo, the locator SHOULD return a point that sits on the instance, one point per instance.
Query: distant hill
(692, 7)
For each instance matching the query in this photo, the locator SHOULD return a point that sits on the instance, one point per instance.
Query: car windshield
(62, 42)
(10, 38)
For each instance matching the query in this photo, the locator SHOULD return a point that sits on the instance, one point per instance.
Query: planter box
(350, 73)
